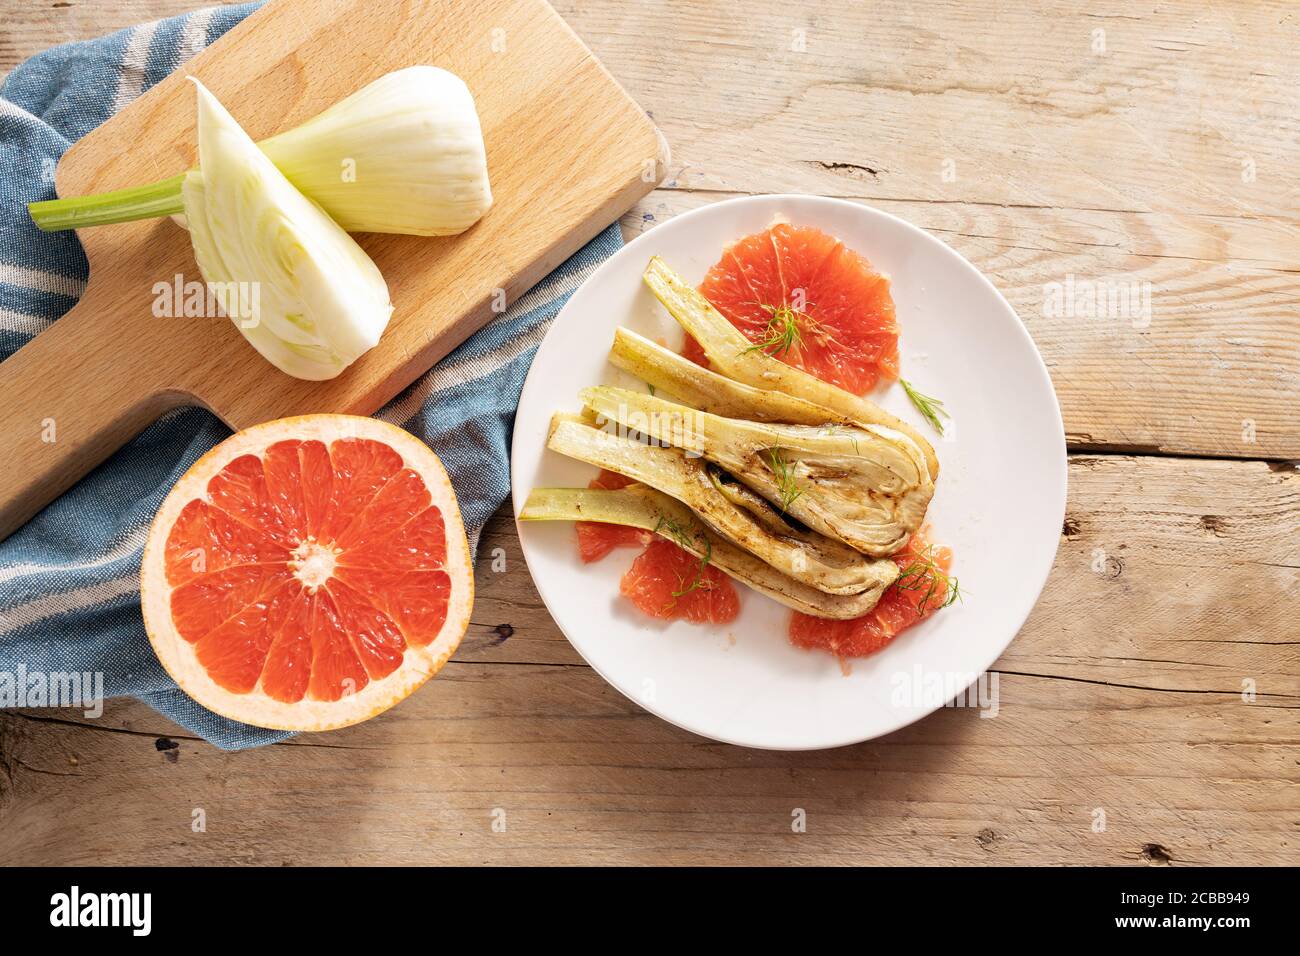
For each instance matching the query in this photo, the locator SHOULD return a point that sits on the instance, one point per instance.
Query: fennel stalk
(317, 300)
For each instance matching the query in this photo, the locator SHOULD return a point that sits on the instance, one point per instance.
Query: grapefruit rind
(178, 656)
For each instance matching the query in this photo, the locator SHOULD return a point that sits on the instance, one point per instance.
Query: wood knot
(1216, 525)
(503, 632)
(1153, 854)
(986, 838)
(169, 748)
(1070, 527)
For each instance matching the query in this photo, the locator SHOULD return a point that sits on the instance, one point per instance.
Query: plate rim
(906, 717)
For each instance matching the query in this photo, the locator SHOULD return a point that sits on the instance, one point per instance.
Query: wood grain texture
(1175, 583)
(1123, 693)
(1157, 152)
(568, 152)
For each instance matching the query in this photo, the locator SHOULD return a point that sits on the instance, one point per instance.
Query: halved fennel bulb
(294, 283)
(404, 154)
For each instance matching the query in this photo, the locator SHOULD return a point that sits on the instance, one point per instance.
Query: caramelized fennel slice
(868, 487)
(709, 391)
(827, 550)
(640, 507)
(807, 557)
(735, 357)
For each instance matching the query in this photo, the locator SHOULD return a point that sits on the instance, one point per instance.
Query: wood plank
(1122, 693)
(1163, 159)
(1124, 690)
(1216, 370)
(584, 777)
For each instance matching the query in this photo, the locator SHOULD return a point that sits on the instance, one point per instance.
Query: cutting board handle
(66, 404)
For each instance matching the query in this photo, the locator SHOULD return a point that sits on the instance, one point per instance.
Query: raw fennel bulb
(403, 154)
(294, 283)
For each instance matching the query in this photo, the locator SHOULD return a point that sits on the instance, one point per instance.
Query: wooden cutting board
(568, 152)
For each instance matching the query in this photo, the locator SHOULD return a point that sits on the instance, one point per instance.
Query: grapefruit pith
(807, 299)
(308, 573)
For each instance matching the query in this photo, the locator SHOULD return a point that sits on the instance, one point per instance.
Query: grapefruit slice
(668, 582)
(807, 299)
(922, 588)
(597, 539)
(308, 573)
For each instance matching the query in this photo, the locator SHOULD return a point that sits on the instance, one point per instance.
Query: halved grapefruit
(308, 573)
(807, 299)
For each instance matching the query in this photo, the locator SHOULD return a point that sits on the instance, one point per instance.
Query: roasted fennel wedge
(807, 557)
(710, 392)
(737, 358)
(640, 507)
(866, 486)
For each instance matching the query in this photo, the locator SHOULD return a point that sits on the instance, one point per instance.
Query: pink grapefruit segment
(597, 539)
(807, 299)
(665, 581)
(919, 593)
(668, 582)
(308, 573)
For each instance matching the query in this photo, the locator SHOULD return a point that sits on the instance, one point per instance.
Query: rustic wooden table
(1148, 708)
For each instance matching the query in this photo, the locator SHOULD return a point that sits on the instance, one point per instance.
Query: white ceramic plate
(999, 502)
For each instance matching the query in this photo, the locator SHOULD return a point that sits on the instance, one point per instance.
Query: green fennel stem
(162, 198)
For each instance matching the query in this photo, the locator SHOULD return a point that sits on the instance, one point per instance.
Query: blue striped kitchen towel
(69, 594)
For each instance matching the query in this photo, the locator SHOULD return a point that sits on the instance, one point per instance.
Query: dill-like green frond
(930, 408)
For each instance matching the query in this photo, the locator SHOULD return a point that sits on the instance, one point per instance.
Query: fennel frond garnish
(688, 540)
(783, 333)
(923, 574)
(930, 408)
(783, 471)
